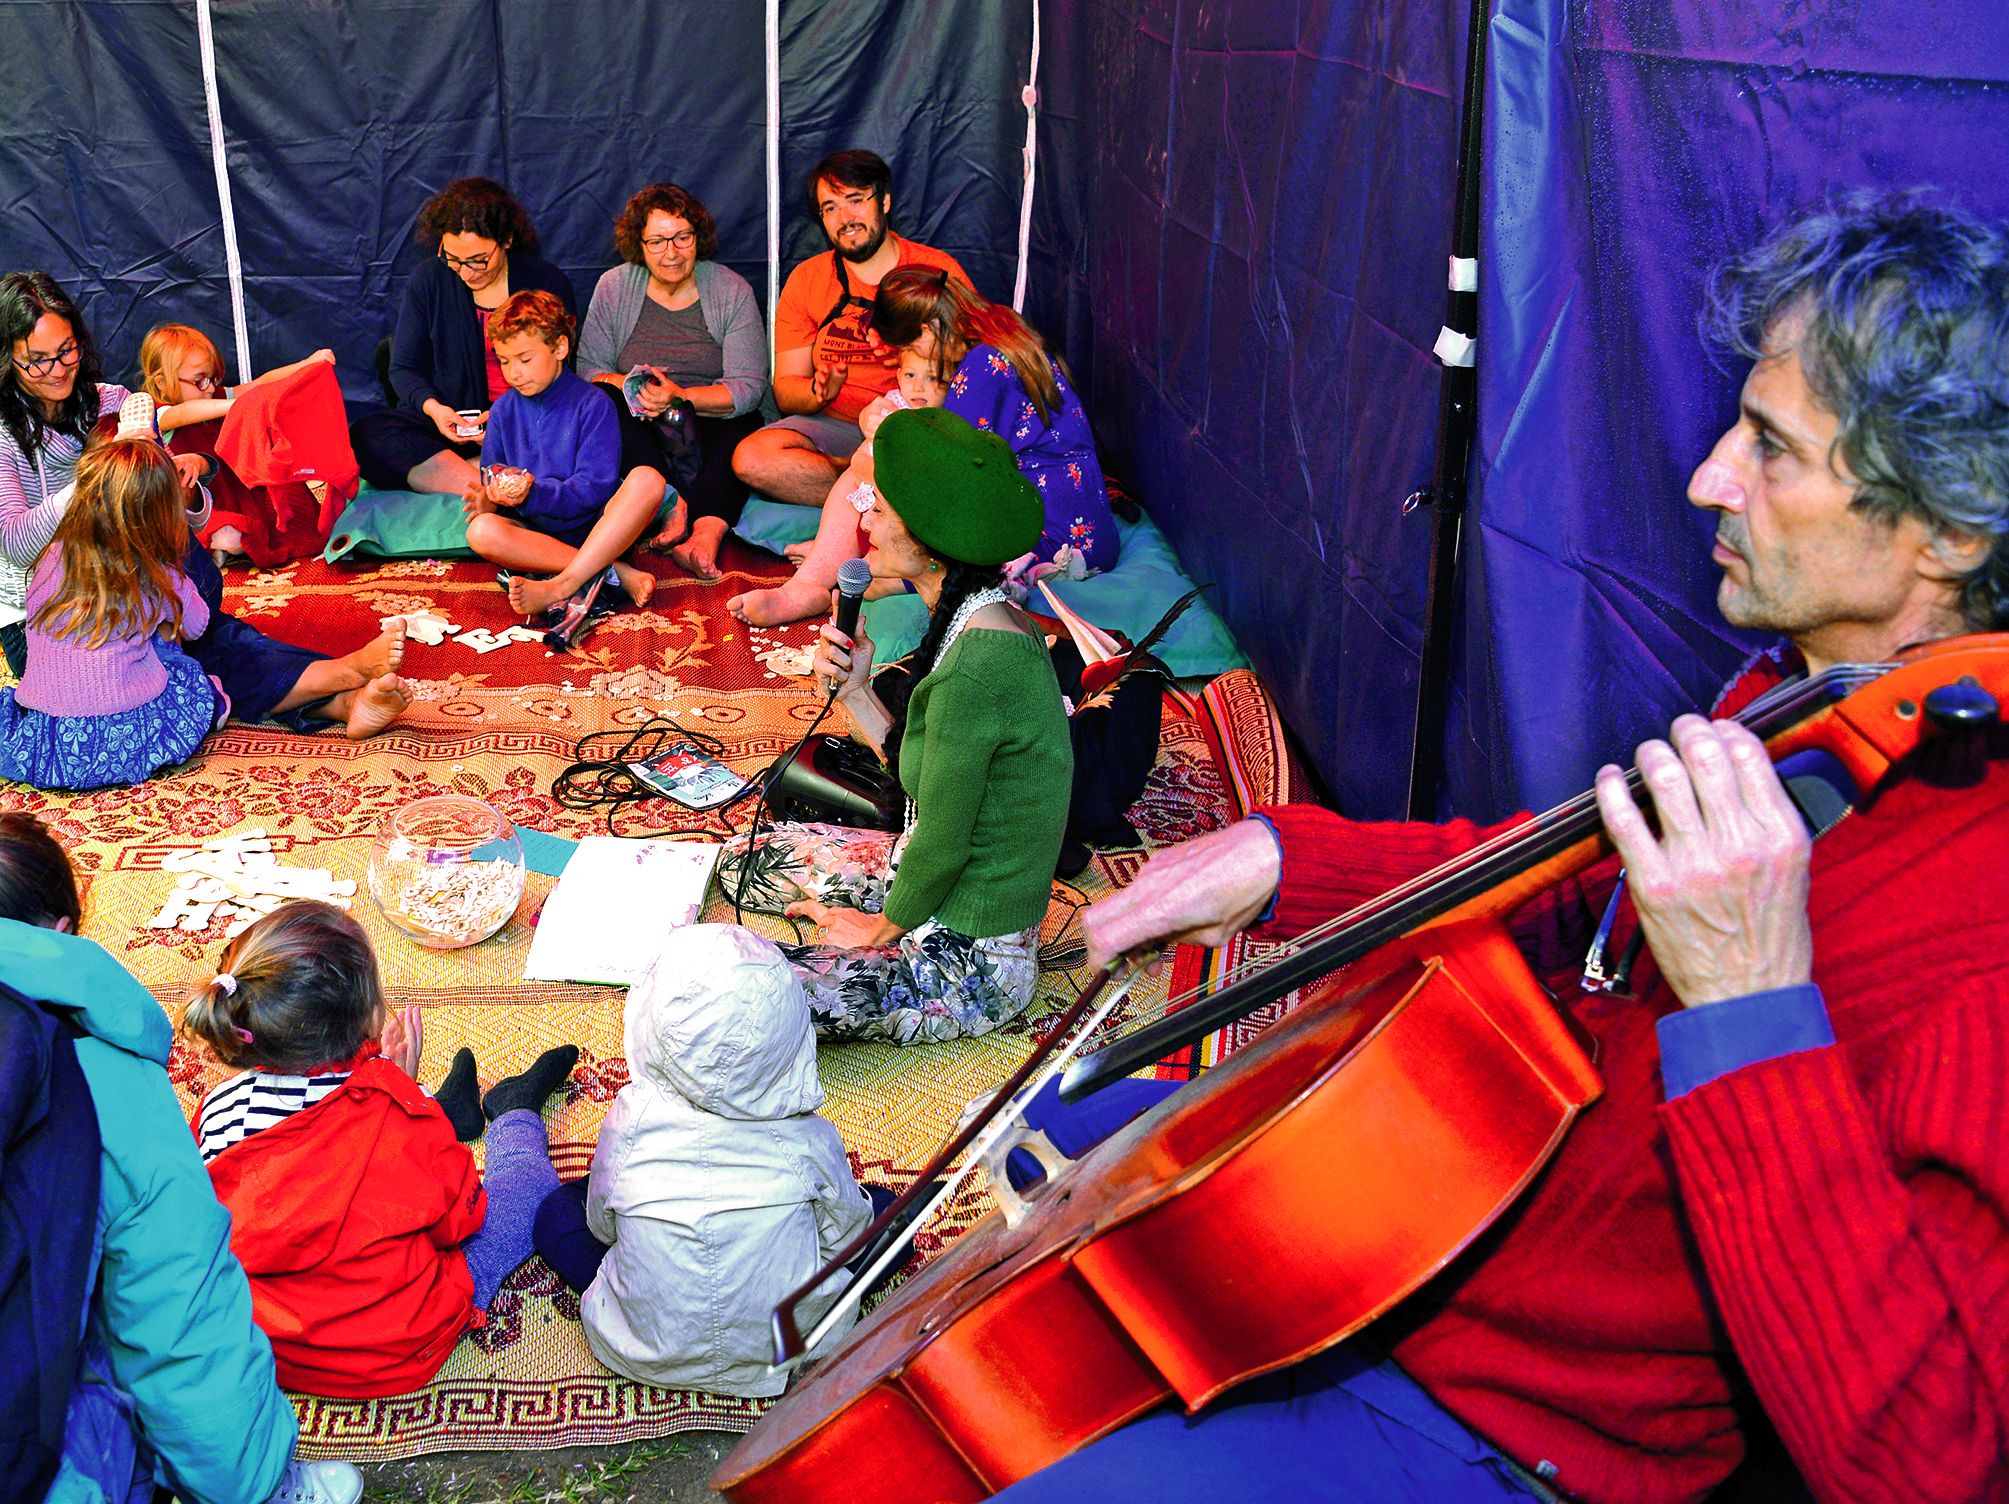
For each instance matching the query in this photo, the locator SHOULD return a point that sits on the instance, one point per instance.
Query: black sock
(546, 1074)
(459, 1096)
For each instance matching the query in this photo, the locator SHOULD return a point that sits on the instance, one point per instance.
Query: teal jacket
(172, 1307)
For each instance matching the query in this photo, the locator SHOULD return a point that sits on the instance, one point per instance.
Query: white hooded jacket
(716, 1184)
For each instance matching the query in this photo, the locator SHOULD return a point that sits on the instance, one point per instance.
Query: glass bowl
(447, 870)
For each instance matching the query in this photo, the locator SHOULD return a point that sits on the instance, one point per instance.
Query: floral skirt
(116, 750)
(934, 983)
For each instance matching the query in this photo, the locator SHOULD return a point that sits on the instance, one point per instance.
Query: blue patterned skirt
(120, 749)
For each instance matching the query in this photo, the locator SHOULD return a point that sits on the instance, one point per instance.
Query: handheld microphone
(853, 578)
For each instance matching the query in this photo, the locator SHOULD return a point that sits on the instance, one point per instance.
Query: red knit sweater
(1832, 1226)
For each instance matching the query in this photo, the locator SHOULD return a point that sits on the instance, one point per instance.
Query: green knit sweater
(987, 761)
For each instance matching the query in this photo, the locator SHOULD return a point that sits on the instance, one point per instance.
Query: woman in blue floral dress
(992, 370)
(1001, 380)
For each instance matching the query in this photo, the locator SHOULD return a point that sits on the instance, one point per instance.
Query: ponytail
(297, 990)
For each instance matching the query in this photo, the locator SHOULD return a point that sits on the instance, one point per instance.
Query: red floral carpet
(499, 726)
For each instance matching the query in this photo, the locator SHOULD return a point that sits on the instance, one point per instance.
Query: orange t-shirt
(810, 294)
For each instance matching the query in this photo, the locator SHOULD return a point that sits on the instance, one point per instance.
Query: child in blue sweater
(551, 457)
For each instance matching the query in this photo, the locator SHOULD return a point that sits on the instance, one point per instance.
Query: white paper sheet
(612, 908)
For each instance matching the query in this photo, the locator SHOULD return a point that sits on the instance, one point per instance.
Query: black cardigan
(436, 351)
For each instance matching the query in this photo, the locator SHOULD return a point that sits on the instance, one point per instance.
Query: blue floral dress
(115, 750)
(1057, 457)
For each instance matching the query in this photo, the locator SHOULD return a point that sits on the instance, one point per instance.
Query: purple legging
(517, 1176)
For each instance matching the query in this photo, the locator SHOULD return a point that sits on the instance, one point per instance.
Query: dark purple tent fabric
(1630, 145)
(1263, 193)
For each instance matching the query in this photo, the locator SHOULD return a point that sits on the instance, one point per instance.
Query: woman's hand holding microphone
(843, 661)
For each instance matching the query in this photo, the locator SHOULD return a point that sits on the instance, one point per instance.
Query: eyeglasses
(202, 383)
(683, 240)
(475, 264)
(39, 366)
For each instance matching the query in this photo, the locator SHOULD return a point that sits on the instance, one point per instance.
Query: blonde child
(918, 383)
(182, 370)
(371, 1241)
(715, 1188)
(551, 463)
(108, 696)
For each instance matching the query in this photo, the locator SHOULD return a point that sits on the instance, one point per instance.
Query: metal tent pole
(1456, 349)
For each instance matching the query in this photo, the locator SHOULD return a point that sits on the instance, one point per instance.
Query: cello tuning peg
(1961, 706)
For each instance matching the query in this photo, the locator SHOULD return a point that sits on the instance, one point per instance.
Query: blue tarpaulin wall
(342, 118)
(1239, 240)
(1630, 146)
(1245, 242)
(1243, 220)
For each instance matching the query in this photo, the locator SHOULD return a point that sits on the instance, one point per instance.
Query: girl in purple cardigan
(108, 696)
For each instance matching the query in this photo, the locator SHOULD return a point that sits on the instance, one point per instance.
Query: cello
(1295, 1192)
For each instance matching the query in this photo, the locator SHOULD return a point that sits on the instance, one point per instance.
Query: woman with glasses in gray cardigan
(693, 329)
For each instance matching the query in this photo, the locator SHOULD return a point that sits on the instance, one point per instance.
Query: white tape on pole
(233, 266)
(773, 65)
(1464, 274)
(1453, 348)
(1030, 94)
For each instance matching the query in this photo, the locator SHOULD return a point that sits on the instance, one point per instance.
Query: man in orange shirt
(826, 368)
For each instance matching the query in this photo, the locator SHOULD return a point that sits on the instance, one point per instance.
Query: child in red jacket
(369, 1237)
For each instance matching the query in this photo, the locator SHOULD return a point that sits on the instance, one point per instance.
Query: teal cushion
(1144, 585)
(411, 525)
(400, 525)
(773, 525)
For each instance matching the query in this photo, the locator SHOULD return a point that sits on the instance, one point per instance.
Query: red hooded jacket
(349, 1217)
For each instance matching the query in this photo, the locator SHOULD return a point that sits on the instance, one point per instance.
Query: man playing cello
(1796, 1186)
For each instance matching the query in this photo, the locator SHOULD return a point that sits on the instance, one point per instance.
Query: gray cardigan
(731, 317)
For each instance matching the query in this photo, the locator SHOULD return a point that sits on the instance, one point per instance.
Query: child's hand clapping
(402, 1040)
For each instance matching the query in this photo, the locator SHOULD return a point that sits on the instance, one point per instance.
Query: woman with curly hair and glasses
(683, 336)
(442, 368)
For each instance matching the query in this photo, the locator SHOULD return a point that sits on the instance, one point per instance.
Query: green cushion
(400, 525)
(411, 525)
(773, 525)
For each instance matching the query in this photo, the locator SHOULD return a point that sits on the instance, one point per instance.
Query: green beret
(957, 489)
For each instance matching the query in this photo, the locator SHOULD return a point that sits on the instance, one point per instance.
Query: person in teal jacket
(175, 1367)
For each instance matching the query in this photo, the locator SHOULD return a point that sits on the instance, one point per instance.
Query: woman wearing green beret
(934, 933)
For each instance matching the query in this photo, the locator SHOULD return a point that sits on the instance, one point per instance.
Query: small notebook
(608, 916)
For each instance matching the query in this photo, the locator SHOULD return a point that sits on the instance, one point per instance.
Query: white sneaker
(318, 1483)
(136, 418)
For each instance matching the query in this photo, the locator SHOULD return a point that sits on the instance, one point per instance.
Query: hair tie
(226, 981)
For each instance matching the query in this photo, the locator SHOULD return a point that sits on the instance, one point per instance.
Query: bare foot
(699, 552)
(530, 597)
(795, 553)
(798, 600)
(671, 533)
(375, 706)
(379, 657)
(638, 584)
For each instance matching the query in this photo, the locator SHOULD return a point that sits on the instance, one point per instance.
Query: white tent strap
(1030, 95)
(233, 264)
(773, 169)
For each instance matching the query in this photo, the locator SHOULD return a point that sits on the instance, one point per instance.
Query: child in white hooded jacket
(715, 1189)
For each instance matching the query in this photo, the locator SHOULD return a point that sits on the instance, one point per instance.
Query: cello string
(1784, 703)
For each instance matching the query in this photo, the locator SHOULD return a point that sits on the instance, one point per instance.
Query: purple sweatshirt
(569, 438)
(65, 678)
